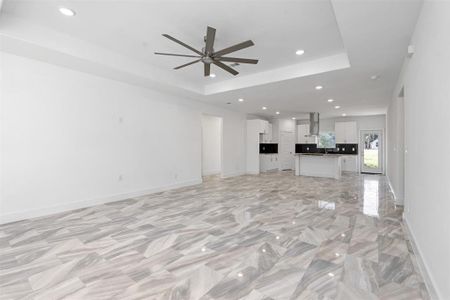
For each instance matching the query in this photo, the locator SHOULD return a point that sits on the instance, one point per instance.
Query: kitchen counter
(318, 165)
(320, 154)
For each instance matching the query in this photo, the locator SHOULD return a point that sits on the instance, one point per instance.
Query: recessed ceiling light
(264, 108)
(319, 87)
(240, 274)
(293, 118)
(300, 52)
(344, 115)
(241, 100)
(337, 107)
(337, 254)
(330, 100)
(374, 77)
(67, 11)
(277, 112)
(212, 75)
(331, 274)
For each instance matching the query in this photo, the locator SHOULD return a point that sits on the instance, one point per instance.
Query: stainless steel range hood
(314, 124)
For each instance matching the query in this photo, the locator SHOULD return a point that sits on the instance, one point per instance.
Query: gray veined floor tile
(364, 249)
(321, 277)
(346, 292)
(393, 246)
(360, 275)
(279, 282)
(394, 269)
(268, 236)
(394, 291)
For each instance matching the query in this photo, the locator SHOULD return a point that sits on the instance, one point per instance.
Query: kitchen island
(318, 165)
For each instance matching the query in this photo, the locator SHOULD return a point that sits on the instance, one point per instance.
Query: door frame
(381, 154)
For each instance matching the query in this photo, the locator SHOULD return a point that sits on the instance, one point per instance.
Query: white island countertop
(318, 165)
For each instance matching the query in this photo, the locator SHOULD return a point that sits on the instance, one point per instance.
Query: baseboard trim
(428, 279)
(233, 174)
(253, 173)
(212, 172)
(34, 213)
(397, 200)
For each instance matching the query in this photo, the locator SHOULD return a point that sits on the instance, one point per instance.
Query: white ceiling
(345, 42)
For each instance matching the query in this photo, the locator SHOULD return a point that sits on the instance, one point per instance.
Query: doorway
(211, 145)
(372, 151)
(287, 150)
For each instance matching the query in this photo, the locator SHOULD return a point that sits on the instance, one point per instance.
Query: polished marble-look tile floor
(272, 236)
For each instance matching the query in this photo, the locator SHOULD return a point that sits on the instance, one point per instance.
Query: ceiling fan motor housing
(209, 56)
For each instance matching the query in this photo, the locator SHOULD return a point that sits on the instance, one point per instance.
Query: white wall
(211, 145)
(395, 148)
(252, 144)
(71, 139)
(426, 81)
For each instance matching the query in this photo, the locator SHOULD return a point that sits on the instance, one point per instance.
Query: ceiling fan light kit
(208, 56)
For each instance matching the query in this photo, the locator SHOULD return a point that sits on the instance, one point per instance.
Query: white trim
(253, 173)
(424, 270)
(211, 172)
(22, 215)
(233, 174)
(397, 200)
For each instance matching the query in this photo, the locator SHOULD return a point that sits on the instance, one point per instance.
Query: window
(327, 140)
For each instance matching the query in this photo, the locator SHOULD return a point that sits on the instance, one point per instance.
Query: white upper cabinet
(351, 133)
(346, 132)
(269, 133)
(263, 126)
(339, 130)
(266, 130)
(302, 130)
(302, 135)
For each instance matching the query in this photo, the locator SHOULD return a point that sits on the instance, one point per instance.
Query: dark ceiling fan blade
(233, 48)
(207, 69)
(210, 36)
(182, 44)
(189, 63)
(239, 60)
(173, 54)
(225, 67)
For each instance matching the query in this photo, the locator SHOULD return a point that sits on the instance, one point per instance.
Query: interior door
(287, 150)
(371, 151)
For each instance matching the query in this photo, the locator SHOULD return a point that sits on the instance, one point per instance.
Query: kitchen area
(311, 146)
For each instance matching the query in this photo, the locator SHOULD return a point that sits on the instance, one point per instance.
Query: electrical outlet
(120, 178)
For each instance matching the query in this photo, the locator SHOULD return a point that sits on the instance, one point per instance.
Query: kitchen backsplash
(268, 148)
(347, 148)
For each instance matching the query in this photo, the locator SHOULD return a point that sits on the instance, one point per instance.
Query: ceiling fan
(208, 56)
